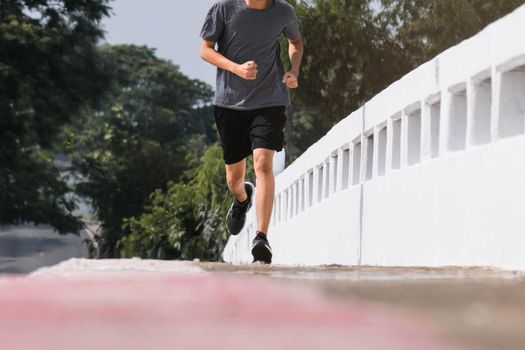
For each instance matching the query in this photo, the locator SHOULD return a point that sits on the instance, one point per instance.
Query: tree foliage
(49, 67)
(421, 29)
(356, 48)
(186, 220)
(138, 137)
(344, 58)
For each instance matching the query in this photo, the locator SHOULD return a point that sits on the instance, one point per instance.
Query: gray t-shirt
(245, 34)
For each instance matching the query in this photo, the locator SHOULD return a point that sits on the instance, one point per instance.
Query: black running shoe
(237, 213)
(261, 249)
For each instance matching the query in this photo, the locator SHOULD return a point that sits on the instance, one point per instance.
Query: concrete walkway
(136, 304)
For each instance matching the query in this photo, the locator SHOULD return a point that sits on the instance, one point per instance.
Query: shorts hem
(237, 108)
(233, 160)
(267, 146)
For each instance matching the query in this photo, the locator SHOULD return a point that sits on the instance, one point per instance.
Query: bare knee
(235, 175)
(263, 166)
(234, 180)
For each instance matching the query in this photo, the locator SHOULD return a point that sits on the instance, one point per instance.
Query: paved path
(134, 304)
(479, 308)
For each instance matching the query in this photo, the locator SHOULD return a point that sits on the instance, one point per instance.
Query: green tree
(356, 48)
(422, 29)
(186, 221)
(138, 137)
(348, 58)
(49, 67)
(343, 63)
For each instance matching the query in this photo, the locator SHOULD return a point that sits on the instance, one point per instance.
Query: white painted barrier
(430, 172)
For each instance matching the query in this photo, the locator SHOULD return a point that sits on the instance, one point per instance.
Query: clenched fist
(290, 79)
(247, 70)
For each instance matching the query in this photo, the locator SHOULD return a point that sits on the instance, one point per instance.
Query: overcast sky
(172, 27)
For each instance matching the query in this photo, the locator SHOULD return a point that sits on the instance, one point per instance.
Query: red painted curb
(184, 311)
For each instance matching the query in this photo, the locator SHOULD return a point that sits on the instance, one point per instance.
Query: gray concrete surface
(479, 308)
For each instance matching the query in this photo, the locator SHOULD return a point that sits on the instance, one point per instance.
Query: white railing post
(351, 162)
(389, 144)
(307, 194)
(326, 180)
(296, 198)
(340, 169)
(289, 208)
(332, 185)
(430, 126)
(426, 131)
(284, 206)
(444, 122)
(292, 200)
(375, 161)
(496, 102)
(471, 112)
(301, 206)
(404, 139)
(315, 187)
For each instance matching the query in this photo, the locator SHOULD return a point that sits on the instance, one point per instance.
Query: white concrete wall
(429, 172)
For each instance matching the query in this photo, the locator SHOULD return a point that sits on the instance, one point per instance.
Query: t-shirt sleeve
(213, 24)
(292, 31)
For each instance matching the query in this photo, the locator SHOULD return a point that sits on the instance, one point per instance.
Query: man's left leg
(267, 137)
(263, 164)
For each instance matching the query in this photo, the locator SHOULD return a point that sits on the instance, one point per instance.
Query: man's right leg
(235, 179)
(234, 132)
(242, 192)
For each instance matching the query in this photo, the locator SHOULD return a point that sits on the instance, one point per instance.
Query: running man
(250, 99)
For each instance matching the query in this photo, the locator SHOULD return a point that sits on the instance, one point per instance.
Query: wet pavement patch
(481, 308)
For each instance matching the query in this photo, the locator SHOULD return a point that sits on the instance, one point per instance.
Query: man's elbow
(206, 46)
(297, 44)
(202, 53)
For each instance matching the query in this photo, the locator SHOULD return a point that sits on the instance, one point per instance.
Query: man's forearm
(247, 70)
(295, 51)
(213, 57)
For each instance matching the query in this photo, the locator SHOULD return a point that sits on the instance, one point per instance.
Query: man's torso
(252, 35)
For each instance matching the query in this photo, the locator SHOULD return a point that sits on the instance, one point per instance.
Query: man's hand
(290, 79)
(247, 70)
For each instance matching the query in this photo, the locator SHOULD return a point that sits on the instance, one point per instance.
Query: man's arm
(208, 53)
(295, 51)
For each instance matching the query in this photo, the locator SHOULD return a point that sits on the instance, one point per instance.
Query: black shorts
(243, 131)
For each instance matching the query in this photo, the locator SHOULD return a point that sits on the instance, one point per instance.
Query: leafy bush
(137, 138)
(186, 220)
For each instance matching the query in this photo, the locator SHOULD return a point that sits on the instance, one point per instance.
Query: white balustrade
(429, 172)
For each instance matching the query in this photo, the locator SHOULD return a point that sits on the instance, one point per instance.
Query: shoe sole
(262, 254)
